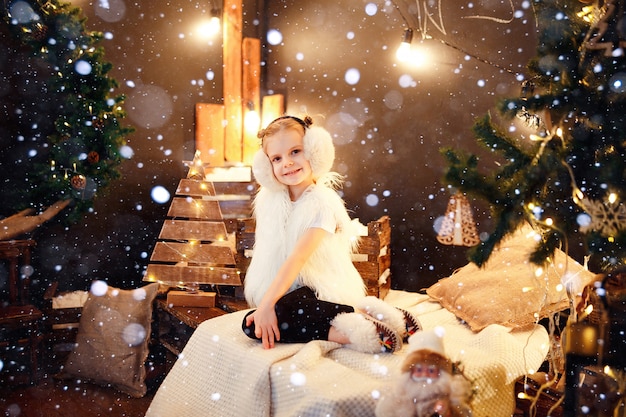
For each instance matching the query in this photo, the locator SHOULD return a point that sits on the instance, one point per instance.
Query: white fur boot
(367, 334)
(402, 321)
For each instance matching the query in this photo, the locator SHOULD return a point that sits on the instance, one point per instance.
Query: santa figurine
(429, 385)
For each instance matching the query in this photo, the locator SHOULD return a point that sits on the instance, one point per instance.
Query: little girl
(301, 278)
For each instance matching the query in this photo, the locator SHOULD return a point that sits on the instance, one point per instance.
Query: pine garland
(65, 143)
(572, 179)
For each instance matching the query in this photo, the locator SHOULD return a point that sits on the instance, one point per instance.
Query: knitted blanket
(223, 373)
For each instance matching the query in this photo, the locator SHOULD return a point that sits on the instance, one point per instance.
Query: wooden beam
(273, 107)
(213, 254)
(179, 274)
(210, 133)
(232, 70)
(195, 208)
(251, 55)
(201, 231)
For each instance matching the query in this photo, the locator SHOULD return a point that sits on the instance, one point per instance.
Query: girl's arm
(264, 318)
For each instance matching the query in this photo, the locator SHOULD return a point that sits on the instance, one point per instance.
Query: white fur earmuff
(263, 172)
(319, 150)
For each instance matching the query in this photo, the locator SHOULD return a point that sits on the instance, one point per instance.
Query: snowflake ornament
(608, 218)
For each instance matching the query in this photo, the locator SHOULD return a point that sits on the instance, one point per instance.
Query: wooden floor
(51, 397)
(56, 398)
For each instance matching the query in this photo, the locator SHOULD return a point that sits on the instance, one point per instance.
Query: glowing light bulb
(211, 27)
(403, 53)
(252, 121)
(559, 132)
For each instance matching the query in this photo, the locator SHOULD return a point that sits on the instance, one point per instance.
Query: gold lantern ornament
(458, 227)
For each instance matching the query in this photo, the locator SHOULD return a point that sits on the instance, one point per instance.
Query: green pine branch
(87, 133)
(577, 106)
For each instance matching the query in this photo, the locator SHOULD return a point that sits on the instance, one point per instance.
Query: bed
(223, 373)
(491, 328)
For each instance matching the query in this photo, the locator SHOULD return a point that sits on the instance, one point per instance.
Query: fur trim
(381, 311)
(271, 209)
(319, 150)
(366, 334)
(402, 321)
(263, 172)
(361, 332)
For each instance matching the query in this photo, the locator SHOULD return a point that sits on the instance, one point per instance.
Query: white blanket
(223, 373)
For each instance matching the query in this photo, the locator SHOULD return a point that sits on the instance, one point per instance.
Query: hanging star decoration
(196, 167)
(458, 227)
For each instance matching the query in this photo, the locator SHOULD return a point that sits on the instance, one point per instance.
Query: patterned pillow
(112, 342)
(509, 290)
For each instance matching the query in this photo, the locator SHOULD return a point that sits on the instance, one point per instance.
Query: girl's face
(285, 151)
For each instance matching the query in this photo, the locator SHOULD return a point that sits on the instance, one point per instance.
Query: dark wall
(388, 126)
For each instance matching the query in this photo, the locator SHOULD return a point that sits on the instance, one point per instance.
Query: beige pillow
(112, 341)
(509, 290)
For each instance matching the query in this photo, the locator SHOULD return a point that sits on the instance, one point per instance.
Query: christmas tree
(61, 135)
(567, 178)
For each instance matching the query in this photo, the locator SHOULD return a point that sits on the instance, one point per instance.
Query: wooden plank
(368, 270)
(232, 18)
(210, 133)
(202, 231)
(273, 107)
(380, 228)
(181, 274)
(228, 173)
(251, 96)
(191, 316)
(240, 188)
(191, 298)
(236, 209)
(195, 208)
(213, 253)
(371, 246)
(195, 188)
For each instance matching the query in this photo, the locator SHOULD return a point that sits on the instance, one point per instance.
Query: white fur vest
(280, 223)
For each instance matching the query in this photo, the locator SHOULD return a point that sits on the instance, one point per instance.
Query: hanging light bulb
(215, 23)
(404, 51)
(213, 26)
(252, 119)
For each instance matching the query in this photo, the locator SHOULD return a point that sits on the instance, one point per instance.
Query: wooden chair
(20, 321)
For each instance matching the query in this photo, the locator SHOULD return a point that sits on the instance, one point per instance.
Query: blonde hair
(285, 123)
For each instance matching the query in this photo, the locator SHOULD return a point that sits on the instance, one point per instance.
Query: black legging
(302, 317)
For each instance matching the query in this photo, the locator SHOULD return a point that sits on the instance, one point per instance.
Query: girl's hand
(265, 326)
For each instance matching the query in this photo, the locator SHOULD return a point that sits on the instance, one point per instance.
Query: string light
(404, 52)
